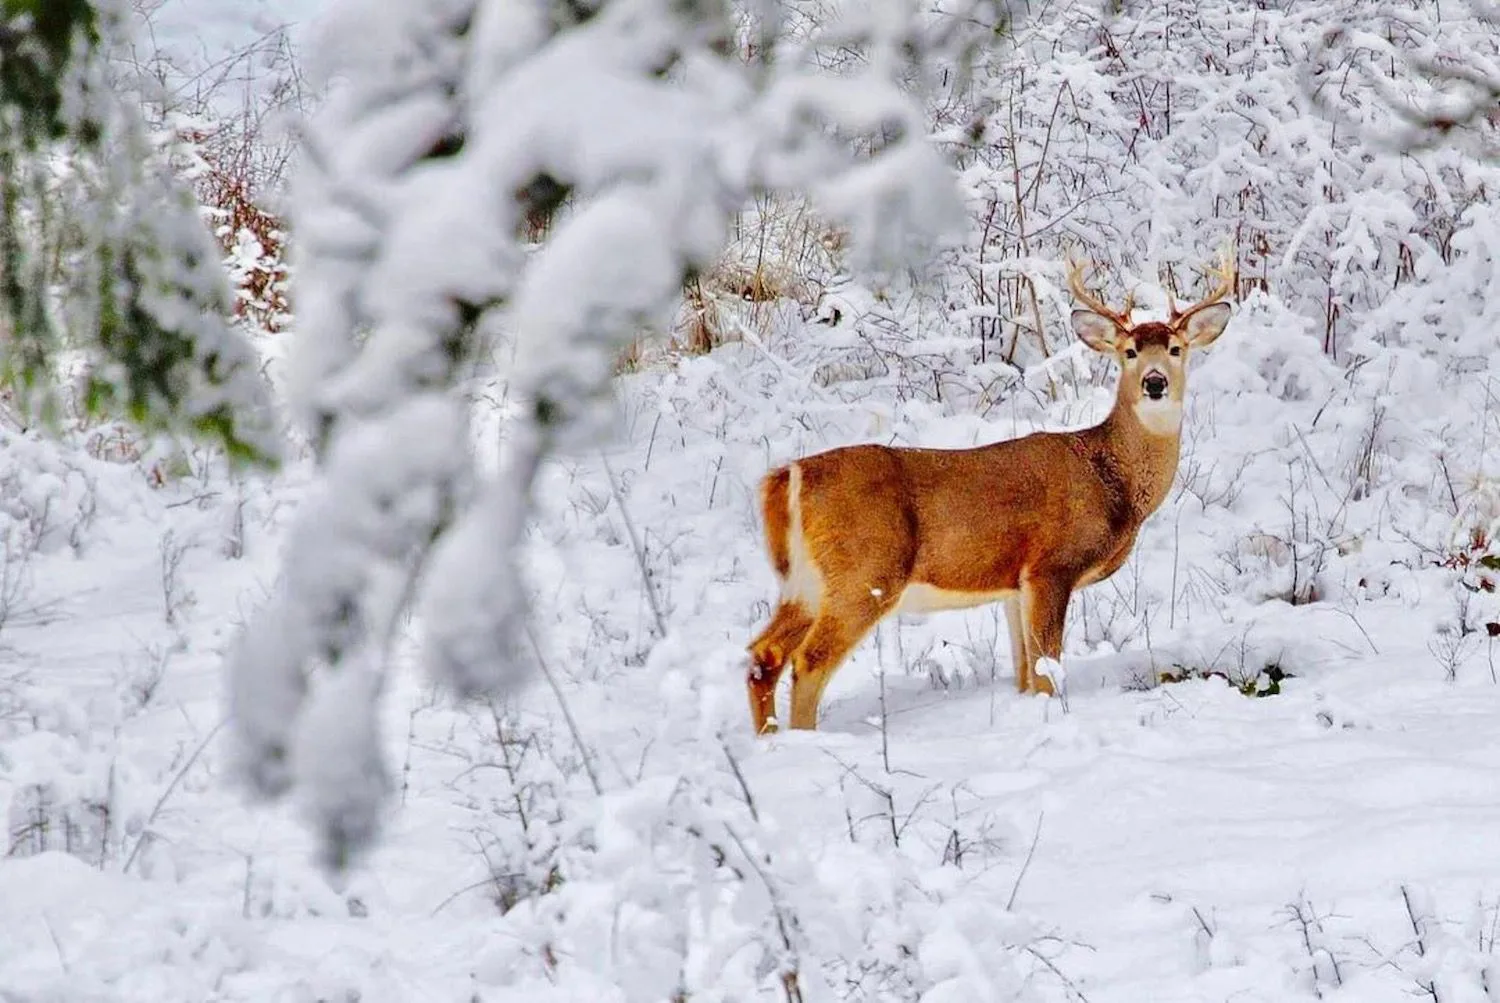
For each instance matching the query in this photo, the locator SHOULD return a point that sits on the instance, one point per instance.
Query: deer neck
(1144, 453)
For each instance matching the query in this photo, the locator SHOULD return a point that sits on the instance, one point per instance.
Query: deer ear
(1206, 325)
(1095, 331)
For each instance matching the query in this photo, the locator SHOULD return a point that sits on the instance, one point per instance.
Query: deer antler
(1225, 273)
(1120, 318)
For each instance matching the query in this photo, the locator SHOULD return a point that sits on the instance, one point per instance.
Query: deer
(859, 532)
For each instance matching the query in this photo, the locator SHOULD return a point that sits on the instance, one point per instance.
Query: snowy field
(940, 834)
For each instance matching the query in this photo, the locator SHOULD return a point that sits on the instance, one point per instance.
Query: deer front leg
(827, 645)
(840, 626)
(768, 658)
(1044, 602)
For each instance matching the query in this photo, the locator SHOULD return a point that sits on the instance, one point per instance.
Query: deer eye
(1130, 353)
(1174, 350)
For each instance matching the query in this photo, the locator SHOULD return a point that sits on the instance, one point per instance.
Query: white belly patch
(919, 597)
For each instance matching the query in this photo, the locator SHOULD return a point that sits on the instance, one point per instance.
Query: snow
(1143, 843)
(1309, 812)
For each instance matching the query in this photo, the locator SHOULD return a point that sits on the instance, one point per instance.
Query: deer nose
(1155, 385)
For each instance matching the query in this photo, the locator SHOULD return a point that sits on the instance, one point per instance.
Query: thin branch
(640, 553)
(1015, 889)
(562, 702)
(161, 801)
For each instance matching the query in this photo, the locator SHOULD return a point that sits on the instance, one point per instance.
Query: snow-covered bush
(666, 878)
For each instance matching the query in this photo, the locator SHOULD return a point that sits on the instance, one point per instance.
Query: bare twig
(739, 776)
(562, 702)
(1015, 889)
(640, 553)
(1419, 927)
(1068, 983)
(166, 794)
(786, 922)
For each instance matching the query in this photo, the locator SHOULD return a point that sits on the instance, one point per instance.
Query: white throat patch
(1163, 417)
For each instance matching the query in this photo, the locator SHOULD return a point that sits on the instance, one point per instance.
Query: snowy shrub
(49, 501)
(1147, 135)
(70, 788)
(47, 498)
(259, 277)
(672, 882)
(69, 810)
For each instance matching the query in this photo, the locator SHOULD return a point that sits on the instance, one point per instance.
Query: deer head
(1152, 355)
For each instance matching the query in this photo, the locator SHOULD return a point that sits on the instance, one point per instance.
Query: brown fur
(1152, 335)
(1026, 521)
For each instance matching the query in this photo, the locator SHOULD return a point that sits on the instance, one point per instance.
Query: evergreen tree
(83, 189)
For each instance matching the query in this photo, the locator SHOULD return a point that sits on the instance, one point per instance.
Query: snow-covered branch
(447, 128)
(1438, 77)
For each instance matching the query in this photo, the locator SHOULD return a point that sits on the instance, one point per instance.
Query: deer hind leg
(768, 658)
(858, 537)
(860, 589)
(1020, 653)
(1044, 605)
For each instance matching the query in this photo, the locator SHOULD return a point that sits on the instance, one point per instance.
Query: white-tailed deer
(859, 532)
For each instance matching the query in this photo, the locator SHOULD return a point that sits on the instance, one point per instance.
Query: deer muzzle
(1154, 384)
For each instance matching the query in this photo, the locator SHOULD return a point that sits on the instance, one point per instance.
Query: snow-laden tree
(447, 127)
(102, 248)
(1336, 145)
(1437, 72)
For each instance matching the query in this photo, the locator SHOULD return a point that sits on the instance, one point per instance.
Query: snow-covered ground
(940, 834)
